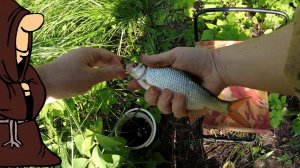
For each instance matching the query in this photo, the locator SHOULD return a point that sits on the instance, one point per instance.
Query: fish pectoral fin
(194, 115)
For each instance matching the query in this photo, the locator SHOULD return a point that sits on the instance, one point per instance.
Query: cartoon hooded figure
(22, 94)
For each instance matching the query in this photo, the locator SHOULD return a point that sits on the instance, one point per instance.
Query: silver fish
(197, 97)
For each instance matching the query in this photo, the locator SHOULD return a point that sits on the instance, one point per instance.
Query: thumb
(106, 73)
(159, 60)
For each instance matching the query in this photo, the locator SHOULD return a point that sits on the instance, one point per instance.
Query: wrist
(45, 78)
(213, 71)
(220, 67)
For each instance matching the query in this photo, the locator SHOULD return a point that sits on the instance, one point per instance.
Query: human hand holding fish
(176, 92)
(78, 70)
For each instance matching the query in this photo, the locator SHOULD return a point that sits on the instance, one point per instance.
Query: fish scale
(169, 78)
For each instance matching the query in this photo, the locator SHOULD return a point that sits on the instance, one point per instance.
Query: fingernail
(152, 91)
(178, 97)
(120, 72)
(168, 94)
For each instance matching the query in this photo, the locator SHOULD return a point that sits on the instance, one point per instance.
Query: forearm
(45, 77)
(292, 67)
(259, 63)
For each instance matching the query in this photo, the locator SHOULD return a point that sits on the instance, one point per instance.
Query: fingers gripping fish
(197, 97)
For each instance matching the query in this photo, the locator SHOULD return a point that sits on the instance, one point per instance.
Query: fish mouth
(130, 68)
(136, 71)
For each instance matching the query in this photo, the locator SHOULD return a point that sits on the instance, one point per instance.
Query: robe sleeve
(12, 101)
(37, 90)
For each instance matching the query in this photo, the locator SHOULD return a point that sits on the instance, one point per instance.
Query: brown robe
(13, 105)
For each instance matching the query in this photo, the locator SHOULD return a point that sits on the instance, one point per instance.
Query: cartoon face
(29, 23)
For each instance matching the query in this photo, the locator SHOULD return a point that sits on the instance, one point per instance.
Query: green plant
(279, 112)
(259, 153)
(296, 124)
(286, 159)
(278, 109)
(241, 25)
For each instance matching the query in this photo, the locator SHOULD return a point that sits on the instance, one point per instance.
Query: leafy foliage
(278, 109)
(241, 25)
(296, 125)
(279, 112)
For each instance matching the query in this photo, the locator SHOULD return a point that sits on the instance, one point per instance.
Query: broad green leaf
(211, 26)
(273, 96)
(124, 153)
(240, 5)
(78, 139)
(58, 105)
(209, 17)
(97, 158)
(213, 5)
(65, 162)
(283, 99)
(296, 125)
(57, 113)
(244, 35)
(221, 22)
(80, 162)
(189, 37)
(44, 110)
(98, 125)
(226, 35)
(180, 4)
(110, 143)
(87, 144)
(88, 133)
(261, 3)
(207, 35)
(116, 159)
(112, 160)
(254, 20)
(231, 18)
(275, 121)
(91, 165)
(268, 31)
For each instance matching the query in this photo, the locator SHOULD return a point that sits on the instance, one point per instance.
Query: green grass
(80, 129)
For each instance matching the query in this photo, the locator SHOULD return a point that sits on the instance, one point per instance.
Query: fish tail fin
(235, 115)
